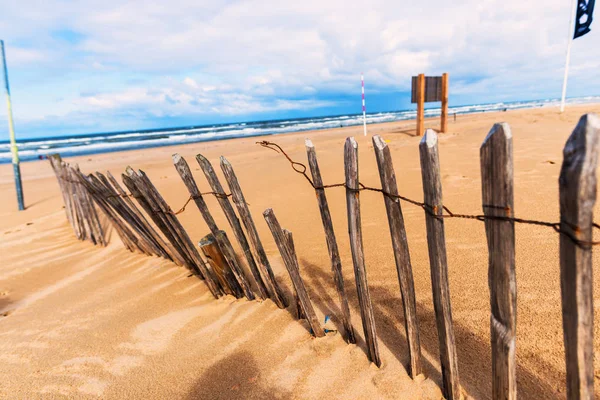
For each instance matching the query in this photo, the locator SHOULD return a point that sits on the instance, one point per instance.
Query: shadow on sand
(234, 377)
(474, 353)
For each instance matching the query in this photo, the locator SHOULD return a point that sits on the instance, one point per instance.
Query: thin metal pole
(362, 83)
(11, 128)
(568, 60)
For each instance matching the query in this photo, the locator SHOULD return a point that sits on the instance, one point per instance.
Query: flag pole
(362, 82)
(568, 58)
(11, 128)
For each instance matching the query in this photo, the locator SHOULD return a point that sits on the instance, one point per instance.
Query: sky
(97, 66)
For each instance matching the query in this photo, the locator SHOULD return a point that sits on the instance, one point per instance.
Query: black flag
(585, 9)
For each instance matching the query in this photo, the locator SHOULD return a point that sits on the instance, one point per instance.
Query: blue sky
(93, 66)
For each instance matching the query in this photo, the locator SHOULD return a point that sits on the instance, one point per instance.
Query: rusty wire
(433, 210)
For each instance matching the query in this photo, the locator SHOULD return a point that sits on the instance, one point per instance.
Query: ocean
(84, 144)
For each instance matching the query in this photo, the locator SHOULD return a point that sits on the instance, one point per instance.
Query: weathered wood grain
(497, 197)
(432, 190)
(291, 264)
(332, 247)
(233, 220)
(289, 242)
(356, 247)
(272, 286)
(577, 188)
(401, 253)
(185, 173)
(220, 266)
(234, 264)
(157, 218)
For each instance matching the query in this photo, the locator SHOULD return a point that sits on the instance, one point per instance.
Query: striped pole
(362, 82)
(11, 129)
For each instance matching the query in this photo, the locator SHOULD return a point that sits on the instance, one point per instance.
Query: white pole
(362, 82)
(568, 60)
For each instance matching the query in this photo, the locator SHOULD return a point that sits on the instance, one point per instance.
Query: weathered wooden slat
(56, 163)
(432, 190)
(140, 218)
(219, 264)
(289, 242)
(126, 215)
(498, 200)
(158, 218)
(271, 284)
(332, 247)
(122, 230)
(356, 247)
(577, 187)
(95, 230)
(185, 173)
(144, 230)
(401, 253)
(234, 222)
(291, 264)
(94, 219)
(234, 264)
(200, 266)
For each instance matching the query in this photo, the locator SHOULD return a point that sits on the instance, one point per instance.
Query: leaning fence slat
(158, 219)
(220, 266)
(200, 266)
(289, 242)
(237, 195)
(577, 185)
(401, 254)
(292, 266)
(332, 247)
(356, 247)
(185, 173)
(234, 264)
(497, 199)
(139, 217)
(214, 183)
(432, 190)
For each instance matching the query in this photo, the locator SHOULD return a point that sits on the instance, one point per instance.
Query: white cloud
(256, 55)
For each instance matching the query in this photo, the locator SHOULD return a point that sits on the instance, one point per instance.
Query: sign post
(426, 89)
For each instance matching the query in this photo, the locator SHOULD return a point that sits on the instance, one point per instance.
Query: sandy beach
(86, 322)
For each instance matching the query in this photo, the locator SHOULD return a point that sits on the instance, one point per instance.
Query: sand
(88, 322)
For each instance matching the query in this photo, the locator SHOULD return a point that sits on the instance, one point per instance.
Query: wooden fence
(224, 272)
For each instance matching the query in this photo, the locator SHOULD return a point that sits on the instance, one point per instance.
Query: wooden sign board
(433, 89)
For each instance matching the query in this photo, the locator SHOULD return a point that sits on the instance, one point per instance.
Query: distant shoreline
(36, 149)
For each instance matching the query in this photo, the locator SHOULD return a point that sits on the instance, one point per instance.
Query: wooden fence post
(214, 183)
(232, 260)
(289, 239)
(223, 242)
(332, 247)
(356, 246)
(420, 104)
(158, 219)
(219, 264)
(401, 254)
(444, 112)
(432, 190)
(292, 266)
(577, 184)
(497, 198)
(237, 196)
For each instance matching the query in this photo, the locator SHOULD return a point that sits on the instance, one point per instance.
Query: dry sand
(90, 322)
